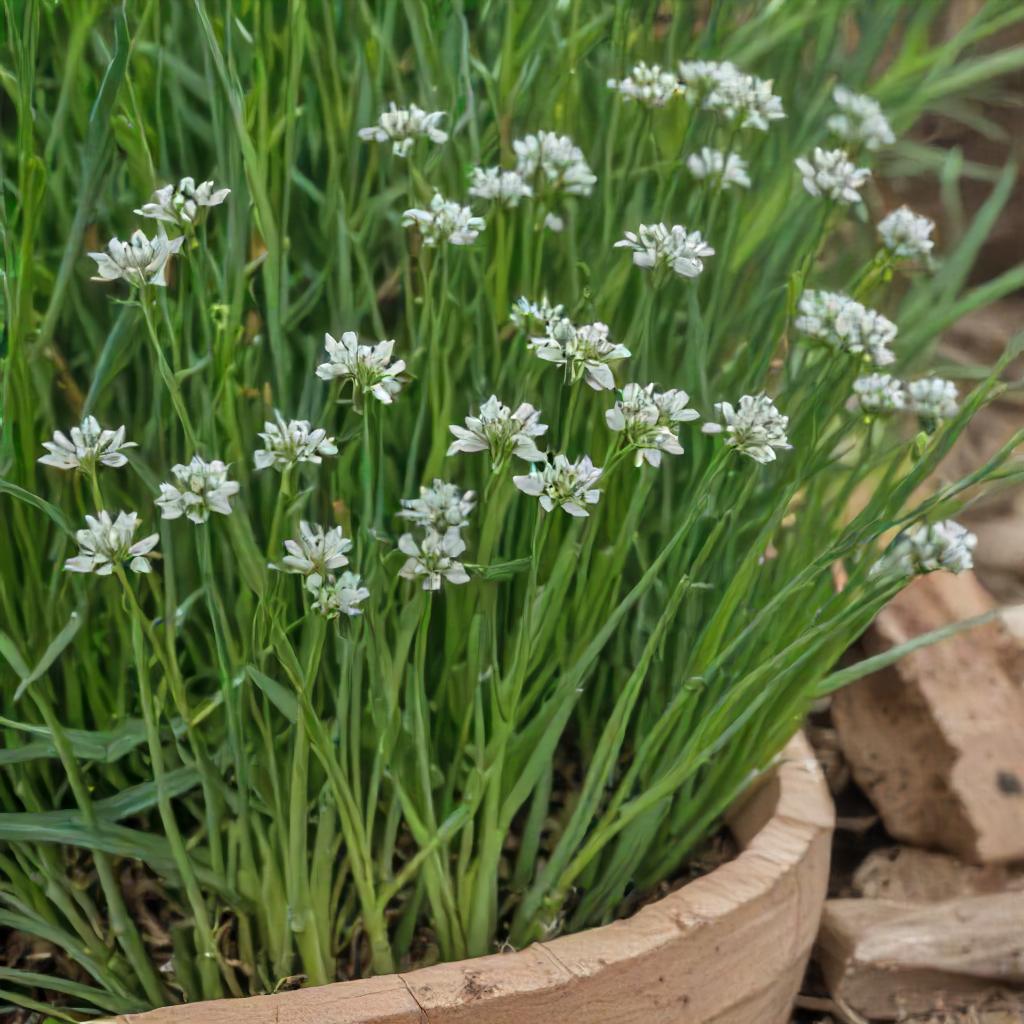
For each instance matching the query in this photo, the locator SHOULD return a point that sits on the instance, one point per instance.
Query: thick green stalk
(209, 956)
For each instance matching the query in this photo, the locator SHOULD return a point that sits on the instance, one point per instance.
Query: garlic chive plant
(461, 628)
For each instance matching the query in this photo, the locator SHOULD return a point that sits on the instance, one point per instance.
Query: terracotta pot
(728, 948)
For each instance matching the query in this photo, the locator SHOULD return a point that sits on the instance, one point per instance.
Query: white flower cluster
(433, 559)
(845, 325)
(907, 234)
(440, 507)
(445, 221)
(933, 399)
(568, 485)
(289, 442)
(713, 164)
(586, 351)
(501, 432)
(138, 261)
(105, 545)
(442, 511)
(647, 85)
(928, 547)
(648, 420)
(526, 313)
(200, 488)
(860, 120)
(701, 76)
(658, 245)
(316, 554)
(555, 163)
(878, 394)
(745, 100)
(368, 368)
(183, 204)
(341, 595)
(402, 126)
(832, 174)
(756, 428)
(506, 188)
(89, 446)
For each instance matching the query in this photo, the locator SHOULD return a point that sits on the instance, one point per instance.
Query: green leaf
(54, 983)
(850, 674)
(103, 746)
(499, 571)
(51, 654)
(50, 511)
(280, 696)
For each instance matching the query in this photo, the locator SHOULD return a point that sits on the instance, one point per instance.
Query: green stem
(166, 373)
(284, 497)
(209, 957)
(301, 913)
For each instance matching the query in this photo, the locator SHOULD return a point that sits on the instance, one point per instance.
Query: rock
(910, 875)
(886, 959)
(935, 741)
(1013, 619)
(826, 749)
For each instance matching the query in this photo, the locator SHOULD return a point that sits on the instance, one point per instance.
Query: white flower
(585, 350)
(744, 99)
(700, 76)
(756, 428)
(341, 596)
(569, 485)
(927, 548)
(138, 261)
(933, 399)
(435, 558)
(525, 313)
(183, 204)
(445, 221)
(672, 407)
(860, 120)
(88, 447)
(315, 553)
(658, 245)
(506, 188)
(404, 126)
(104, 545)
(501, 432)
(647, 418)
(907, 234)
(647, 85)
(831, 173)
(879, 393)
(291, 441)
(869, 332)
(440, 507)
(368, 367)
(712, 163)
(844, 325)
(555, 161)
(554, 223)
(202, 487)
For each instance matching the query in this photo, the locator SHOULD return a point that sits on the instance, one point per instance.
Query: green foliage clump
(465, 624)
